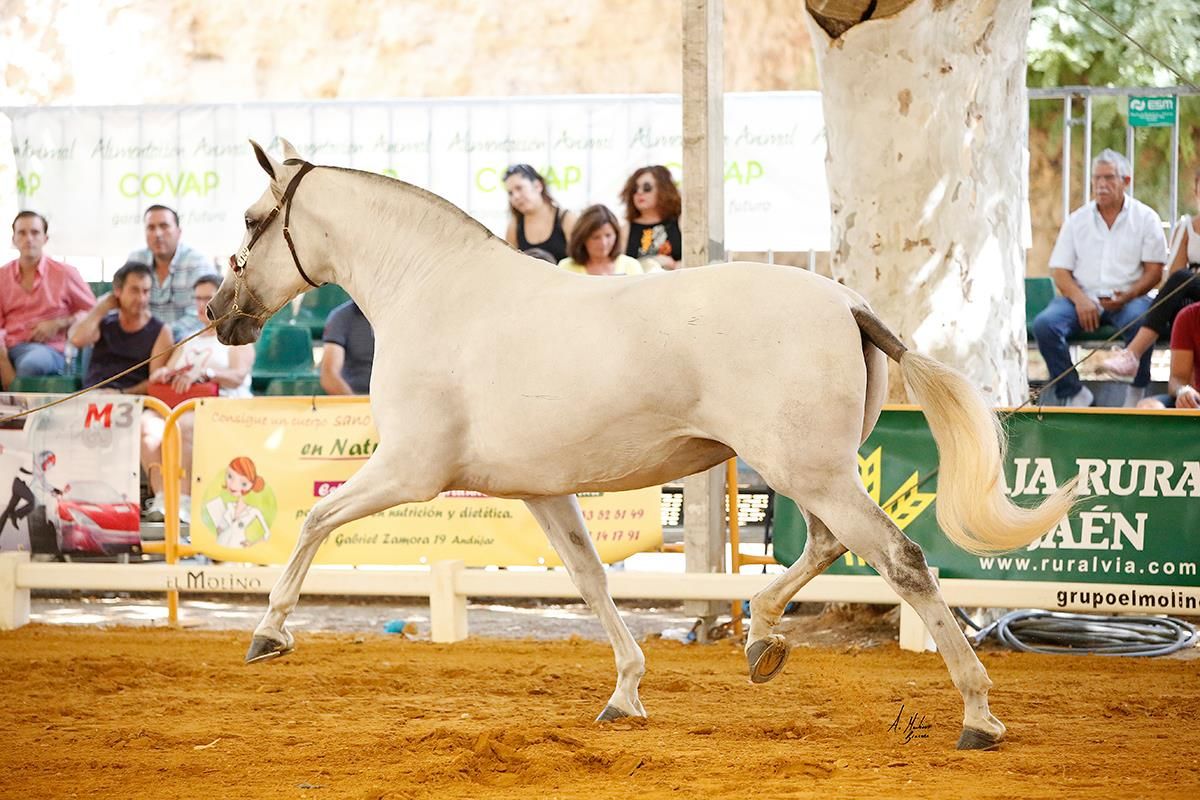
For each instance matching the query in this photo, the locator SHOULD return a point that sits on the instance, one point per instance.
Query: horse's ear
(289, 152)
(269, 165)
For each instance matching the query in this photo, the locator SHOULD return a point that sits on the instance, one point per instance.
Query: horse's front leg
(379, 484)
(563, 523)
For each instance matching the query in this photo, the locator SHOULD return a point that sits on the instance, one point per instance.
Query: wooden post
(703, 228)
(14, 601)
(914, 635)
(447, 608)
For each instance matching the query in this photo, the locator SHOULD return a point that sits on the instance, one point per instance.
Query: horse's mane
(434, 200)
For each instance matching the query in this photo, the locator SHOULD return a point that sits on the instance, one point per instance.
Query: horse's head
(280, 255)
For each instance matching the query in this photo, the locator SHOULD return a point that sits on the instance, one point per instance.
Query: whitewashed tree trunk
(925, 115)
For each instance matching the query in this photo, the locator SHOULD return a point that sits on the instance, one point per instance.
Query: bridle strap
(238, 262)
(305, 168)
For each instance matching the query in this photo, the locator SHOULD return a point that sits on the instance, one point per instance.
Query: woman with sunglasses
(537, 221)
(595, 247)
(652, 206)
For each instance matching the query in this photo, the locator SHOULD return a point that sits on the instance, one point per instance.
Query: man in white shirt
(1109, 253)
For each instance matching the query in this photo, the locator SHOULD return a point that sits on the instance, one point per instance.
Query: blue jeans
(1059, 321)
(35, 358)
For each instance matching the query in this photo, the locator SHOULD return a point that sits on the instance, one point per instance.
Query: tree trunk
(926, 123)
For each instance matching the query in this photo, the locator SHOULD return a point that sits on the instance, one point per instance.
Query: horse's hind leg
(862, 526)
(375, 487)
(767, 652)
(563, 523)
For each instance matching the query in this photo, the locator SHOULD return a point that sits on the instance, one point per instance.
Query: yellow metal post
(735, 543)
(170, 474)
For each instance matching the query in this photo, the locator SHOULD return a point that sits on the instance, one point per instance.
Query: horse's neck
(403, 250)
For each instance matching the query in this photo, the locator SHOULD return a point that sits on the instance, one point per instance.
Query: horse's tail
(972, 509)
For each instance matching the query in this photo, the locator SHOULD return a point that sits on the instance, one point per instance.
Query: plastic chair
(1038, 294)
(283, 351)
(316, 305)
(294, 387)
(46, 384)
(100, 287)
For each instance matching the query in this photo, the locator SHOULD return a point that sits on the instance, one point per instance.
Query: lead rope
(235, 309)
(1038, 395)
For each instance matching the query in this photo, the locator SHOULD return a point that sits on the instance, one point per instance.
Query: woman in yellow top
(595, 247)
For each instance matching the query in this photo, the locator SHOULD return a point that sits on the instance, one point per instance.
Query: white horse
(499, 373)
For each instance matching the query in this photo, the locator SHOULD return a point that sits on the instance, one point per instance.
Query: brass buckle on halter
(242, 257)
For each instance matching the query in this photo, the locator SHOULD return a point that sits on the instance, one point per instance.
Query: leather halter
(238, 262)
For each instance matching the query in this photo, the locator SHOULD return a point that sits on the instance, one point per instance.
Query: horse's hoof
(972, 739)
(766, 658)
(263, 648)
(611, 713)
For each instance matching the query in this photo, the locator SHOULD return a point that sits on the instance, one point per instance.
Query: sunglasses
(644, 188)
(524, 170)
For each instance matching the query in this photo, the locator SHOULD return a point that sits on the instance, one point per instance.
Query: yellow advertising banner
(259, 465)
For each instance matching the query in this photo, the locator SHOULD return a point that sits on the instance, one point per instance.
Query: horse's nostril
(208, 312)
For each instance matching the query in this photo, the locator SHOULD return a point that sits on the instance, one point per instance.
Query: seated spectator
(122, 333)
(203, 360)
(175, 268)
(1185, 369)
(652, 208)
(539, 253)
(537, 221)
(40, 298)
(349, 351)
(1109, 253)
(1182, 287)
(595, 246)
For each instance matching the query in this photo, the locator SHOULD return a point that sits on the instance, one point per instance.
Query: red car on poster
(93, 518)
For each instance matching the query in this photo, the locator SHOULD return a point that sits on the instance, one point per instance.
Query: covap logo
(176, 184)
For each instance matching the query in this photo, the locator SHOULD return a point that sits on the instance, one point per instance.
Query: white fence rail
(449, 584)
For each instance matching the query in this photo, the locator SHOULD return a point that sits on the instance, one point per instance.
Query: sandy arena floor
(161, 713)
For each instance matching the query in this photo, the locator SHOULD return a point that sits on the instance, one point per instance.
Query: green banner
(1137, 522)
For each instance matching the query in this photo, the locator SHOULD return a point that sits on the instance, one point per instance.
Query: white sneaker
(1081, 399)
(155, 509)
(1122, 364)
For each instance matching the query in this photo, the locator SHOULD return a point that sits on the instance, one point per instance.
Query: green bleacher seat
(294, 387)
(316, 305)
(1038, 294)
(47, 384)
(283, 351)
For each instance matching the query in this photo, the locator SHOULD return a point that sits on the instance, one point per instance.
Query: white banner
(93, 170)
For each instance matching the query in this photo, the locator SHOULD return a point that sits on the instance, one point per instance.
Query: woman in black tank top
(534, 211)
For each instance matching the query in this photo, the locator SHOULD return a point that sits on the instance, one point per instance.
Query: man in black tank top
(122, 332)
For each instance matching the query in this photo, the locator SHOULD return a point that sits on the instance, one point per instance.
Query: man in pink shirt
(39, 299)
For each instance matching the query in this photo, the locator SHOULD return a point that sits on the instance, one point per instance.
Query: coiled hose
(1058, 633)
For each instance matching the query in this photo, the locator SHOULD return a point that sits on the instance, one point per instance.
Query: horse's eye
(249, 223)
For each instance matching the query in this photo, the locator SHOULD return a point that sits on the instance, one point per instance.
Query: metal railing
(1068, 95)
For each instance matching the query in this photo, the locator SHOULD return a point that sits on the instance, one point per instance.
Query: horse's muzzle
(238, 330)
